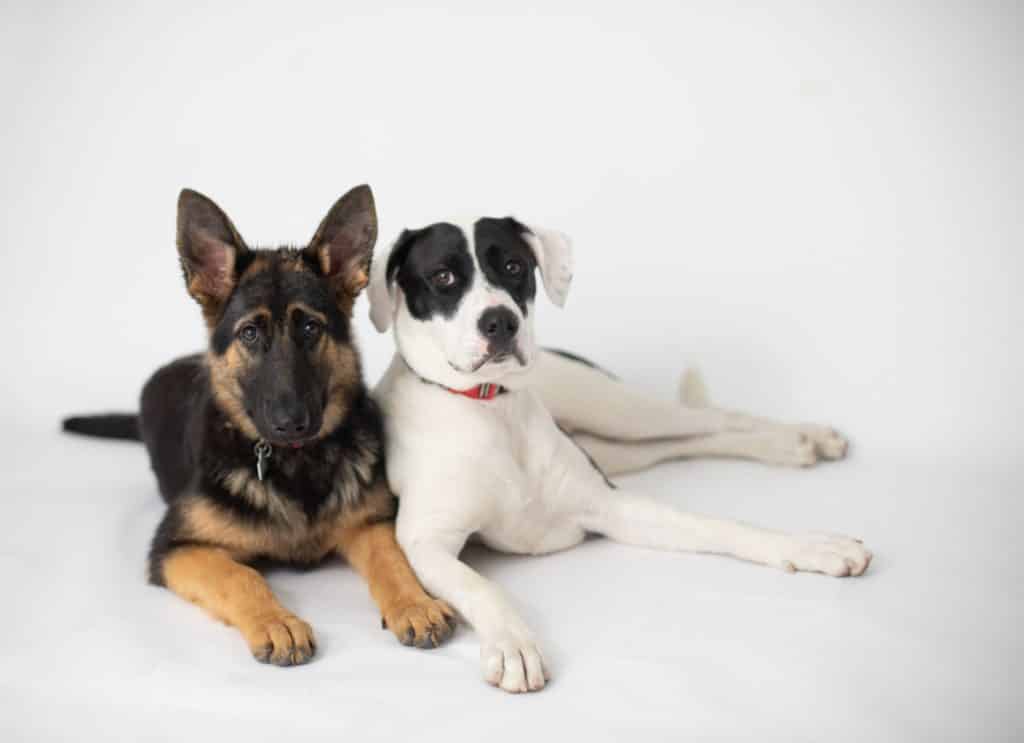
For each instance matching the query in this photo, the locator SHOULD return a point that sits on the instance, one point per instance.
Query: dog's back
(171, 405)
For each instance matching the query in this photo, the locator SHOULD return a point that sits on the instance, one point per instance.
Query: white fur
(446, 350)
(502, 470)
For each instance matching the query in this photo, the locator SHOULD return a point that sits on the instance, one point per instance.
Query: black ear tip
(363, 192)
(187, 196)
(517, 225)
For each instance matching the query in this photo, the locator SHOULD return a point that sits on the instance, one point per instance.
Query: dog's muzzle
(499, 325)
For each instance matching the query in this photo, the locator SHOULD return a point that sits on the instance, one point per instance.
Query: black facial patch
(284, 306)
(417, 260)
(287, 279)
(506, 259)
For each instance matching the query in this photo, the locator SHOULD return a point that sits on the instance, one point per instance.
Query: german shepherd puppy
(268, 445)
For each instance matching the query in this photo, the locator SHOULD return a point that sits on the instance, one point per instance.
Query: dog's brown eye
(443, 279)
(514, 267)
(249, 334)
(312, 328)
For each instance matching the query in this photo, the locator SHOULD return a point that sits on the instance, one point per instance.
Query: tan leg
(238, 595)
(407, 610)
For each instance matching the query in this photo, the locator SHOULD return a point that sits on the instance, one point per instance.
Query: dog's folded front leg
(238, 595)
(508, 653)
(642, 521)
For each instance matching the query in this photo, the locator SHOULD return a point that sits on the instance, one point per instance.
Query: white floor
(642, 643)
(817, 203)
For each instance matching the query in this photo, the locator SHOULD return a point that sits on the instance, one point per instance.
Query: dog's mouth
(496, 357)
(292, 444)
(295, 442)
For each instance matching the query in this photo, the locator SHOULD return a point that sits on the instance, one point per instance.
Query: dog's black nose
(289, 419)
(499, 325)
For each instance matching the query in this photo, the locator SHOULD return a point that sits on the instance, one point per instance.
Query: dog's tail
(123, 426)
(693, 393)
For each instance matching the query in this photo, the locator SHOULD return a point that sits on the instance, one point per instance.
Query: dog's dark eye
(443, 279)
(312, 329)
(249, 334)
(514, 267)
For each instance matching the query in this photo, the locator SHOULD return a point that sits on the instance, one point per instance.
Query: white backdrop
(819, 206)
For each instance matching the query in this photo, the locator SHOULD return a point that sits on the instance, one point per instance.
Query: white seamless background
(818, 205)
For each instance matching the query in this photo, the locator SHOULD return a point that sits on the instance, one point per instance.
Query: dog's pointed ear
(343, 243)
(209, 247)
(553, 251)
(382, 292)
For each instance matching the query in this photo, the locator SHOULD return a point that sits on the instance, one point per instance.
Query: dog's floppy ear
(343, 243)
(382, 279)
(209, 247)
(553, 251)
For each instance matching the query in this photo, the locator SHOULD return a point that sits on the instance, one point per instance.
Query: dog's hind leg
(584, 399)
(786, 448)
(238, 595)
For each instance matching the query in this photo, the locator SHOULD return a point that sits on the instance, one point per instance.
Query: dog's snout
(499, 325)
(288, 418)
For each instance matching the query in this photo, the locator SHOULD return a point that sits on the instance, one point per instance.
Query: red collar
(480, 392)
(486, 391)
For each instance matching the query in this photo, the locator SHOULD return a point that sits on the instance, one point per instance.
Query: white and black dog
(489, 436)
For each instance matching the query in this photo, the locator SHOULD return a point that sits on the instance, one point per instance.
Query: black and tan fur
(281, 367)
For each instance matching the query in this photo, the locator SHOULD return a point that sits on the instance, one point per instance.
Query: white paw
(828, 442)
(832, 554)
(514, 663)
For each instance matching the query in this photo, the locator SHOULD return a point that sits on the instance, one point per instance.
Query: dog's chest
(494, 468)
(528, 511)
(536, 526)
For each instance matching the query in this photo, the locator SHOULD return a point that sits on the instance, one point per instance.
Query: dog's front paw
(423, 622)
(514, 663)
(832, 554)
(280, 638)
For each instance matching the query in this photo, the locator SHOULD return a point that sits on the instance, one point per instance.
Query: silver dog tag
(263, 451)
